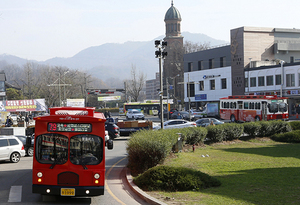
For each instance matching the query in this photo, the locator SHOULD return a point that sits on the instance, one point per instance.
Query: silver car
(11, 148)
(171, 124)
(134, 115)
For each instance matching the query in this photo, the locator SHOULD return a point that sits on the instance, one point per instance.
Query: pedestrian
(212, 123)
(109, 114)
(106, 114)
(27, 120)
(8, 122)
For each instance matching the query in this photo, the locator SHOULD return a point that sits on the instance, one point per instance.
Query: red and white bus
(69, 152)
(253, 108)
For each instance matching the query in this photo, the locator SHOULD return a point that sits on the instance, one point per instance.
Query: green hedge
(147, 148)
(291, 137)
(266, 128)
(174, 179)
(295, 125)
(215, 133)
(193, 135)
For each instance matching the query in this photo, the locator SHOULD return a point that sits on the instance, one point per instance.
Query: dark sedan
(182, 115)
(113, 130)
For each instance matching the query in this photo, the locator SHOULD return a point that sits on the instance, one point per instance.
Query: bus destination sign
(69, 127)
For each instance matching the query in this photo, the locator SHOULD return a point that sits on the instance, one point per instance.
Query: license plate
(67, 192)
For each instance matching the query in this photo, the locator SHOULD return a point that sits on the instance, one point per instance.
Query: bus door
(239, 113)
(264, 111)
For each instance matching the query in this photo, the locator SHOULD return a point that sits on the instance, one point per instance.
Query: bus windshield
(277, 107)
(52, 148)
(86, 149)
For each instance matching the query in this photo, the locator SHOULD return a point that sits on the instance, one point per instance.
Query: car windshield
(136, 112)
(184, 113)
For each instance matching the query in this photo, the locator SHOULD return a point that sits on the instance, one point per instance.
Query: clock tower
(173, 64)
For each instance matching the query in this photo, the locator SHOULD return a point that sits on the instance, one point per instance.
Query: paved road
(15, 182)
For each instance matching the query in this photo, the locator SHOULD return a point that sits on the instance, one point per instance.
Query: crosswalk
(15, 194)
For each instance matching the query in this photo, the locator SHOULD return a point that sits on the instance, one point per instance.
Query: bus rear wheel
(257, 118)
(232, 118)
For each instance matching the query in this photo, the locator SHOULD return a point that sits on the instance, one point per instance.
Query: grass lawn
(259, 171)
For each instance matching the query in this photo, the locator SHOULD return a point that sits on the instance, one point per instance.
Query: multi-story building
(152, 88)
(252, 66)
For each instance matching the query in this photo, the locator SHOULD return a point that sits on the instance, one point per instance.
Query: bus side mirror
(110, 144)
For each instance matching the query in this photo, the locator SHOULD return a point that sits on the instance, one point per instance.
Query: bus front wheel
(232, 118)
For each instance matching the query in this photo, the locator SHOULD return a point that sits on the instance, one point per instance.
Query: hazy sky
(43, 29)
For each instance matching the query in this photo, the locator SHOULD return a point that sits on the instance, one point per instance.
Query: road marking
(15, 194)
(106, 185)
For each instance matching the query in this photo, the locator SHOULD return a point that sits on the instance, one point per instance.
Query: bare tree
(135, 84)
(190, 47)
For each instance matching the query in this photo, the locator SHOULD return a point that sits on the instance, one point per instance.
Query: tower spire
(172, 3)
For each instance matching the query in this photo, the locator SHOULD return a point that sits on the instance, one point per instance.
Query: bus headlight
(39, 174)
(97, 176)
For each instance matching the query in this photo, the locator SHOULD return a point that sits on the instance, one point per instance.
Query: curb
(139, 192)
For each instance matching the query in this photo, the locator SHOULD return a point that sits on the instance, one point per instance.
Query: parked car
(134, 115)
(207, 121)
(11, 148)
(171, 124)
(113, 130)
(197, 114)
(28, 143)
(182, 115)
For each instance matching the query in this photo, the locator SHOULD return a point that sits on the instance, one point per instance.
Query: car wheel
(132, 118)
(30, 151)
(126, 117)
(15, 157)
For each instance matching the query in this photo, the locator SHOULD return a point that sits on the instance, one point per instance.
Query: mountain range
(114, 60)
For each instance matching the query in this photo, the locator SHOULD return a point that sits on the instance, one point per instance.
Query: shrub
(215, 133)
(193, 135)
(295, 125)
(147, 148)
(293, 136)
(251, 128)
(265, 129)
(174, 179)
(232, 130)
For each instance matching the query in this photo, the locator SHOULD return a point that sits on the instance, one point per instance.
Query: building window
(223, 83)
(200, 65)
(222, 62)
(201, 85)
(211, 63)
(246, 83)
(278, 79)
(299, 79)
(191, 87)
(292, 59)
(190, 67)
(290, 80)
(261, 81)
(2, 86)
(253, 82)
(270, 80)
(212, 85)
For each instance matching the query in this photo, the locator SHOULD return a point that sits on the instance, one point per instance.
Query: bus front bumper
(68, 190)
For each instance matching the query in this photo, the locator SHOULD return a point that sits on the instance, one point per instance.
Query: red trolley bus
(253, 108)
(69, 152)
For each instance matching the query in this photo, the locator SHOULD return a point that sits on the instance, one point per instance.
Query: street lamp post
(160, 54)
